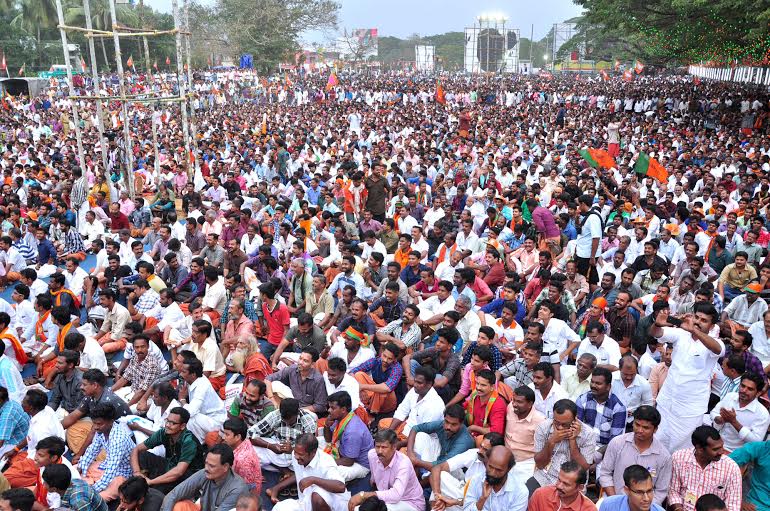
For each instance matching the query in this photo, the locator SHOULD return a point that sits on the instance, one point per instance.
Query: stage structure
(563, 32)
(183, 97)
(491, 47)
(425, 57)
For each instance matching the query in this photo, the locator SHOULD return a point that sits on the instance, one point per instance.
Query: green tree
(34, 17)
(269, 29)
(667, 31)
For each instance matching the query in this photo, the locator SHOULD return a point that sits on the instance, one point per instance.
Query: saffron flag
(21, 69)
(440, 95)
(597, 158)
(155, 65)
(130, 62)
(650, 167)
(82, 65)
(617, 65)
(604, 75)
(288, 81)
(628, 76)
(333, 81)
(3, 63)
(168, 61)
(638, 67)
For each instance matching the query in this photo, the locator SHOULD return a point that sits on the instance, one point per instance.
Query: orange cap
(600, 302)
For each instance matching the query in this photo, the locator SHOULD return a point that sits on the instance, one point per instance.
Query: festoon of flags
(638, 67)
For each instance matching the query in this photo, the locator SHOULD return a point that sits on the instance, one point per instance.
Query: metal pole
(193, 124)
(97, 83)
(129, 170)
(70, 87)
(181, 82)
(531, 44)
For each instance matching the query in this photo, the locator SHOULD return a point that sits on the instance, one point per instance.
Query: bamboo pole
(129, 170)
(193, 124)
(95, 78)
(155, 144)
(181, 82)
(71, 87)
(93, 32)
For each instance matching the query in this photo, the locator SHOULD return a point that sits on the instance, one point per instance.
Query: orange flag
(130, 61)
(440, 95)
(604, 75)
(628, 75)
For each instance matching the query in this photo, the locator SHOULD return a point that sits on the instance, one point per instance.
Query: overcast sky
(402, 18)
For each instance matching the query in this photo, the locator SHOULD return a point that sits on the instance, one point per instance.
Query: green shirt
(757, 453)
(187, 449)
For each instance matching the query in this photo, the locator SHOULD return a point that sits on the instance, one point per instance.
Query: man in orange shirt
(566, 494)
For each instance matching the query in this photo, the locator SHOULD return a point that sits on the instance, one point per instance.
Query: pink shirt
(247, 465)
(397, 482)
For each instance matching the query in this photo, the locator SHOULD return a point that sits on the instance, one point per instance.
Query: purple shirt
(356, 441)
(397, 482)
(545, 223)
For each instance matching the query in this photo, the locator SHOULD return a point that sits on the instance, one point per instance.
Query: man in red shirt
(496, 273)
(484, 409)
(274, 321)
(118, 220)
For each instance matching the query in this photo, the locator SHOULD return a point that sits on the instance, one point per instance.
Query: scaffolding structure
(490, 47)
(183, 97)
(562, 33)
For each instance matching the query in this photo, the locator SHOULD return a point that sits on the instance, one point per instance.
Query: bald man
(501, 489)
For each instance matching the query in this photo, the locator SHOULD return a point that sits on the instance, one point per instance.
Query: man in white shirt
(739, 416)
(75, 276)
(588, 245)
(547, 390)
(25, 314)
(693, 361)
(337, 379)
(310, 463)
(91, 230)
(601, 346)
(207, 411)
(760, 346)
(215, 297)
(630, 387)
(421, 404)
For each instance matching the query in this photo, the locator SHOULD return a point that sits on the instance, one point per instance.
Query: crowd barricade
(737, 74)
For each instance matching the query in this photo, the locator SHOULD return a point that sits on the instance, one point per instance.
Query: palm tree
(36, 16)
(100, 17)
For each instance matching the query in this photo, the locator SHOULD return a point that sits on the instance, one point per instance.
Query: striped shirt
(608, 418)
(73, 242)
(689, 481)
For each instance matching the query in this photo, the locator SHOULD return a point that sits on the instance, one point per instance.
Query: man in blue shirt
(425, 451)
(639, 492)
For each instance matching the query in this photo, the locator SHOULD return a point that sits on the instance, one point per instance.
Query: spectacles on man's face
(642, 493)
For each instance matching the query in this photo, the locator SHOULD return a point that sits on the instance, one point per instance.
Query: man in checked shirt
(703, 469)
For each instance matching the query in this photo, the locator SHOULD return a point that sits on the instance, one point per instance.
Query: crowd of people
(360, 297)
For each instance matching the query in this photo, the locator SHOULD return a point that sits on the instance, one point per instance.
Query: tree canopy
(681, 31)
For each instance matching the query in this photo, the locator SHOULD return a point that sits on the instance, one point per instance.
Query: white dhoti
(452, 488)
(270, 460)
(427, 447)
(677, 424)
(336, 501)
(355, 471)
(524, 469)
(200, 424)
(396, 506)
(82, 210)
